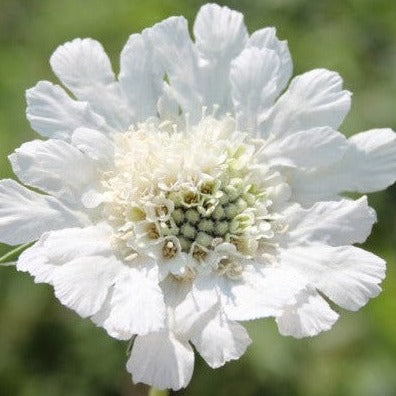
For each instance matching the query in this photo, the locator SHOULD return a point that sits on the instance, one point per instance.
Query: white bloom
(172, 208)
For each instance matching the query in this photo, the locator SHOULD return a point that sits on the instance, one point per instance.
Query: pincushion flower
(199, 189)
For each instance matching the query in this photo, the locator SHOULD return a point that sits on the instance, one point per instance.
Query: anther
(169, 249)
(152, 231)
(199, 253)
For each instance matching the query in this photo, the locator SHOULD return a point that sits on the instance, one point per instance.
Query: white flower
(195, 191)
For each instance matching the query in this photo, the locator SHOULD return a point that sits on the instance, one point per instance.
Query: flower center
(201, 194)
(208, 214)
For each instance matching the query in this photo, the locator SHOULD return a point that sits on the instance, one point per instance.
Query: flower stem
(10, 257)
(158, 392)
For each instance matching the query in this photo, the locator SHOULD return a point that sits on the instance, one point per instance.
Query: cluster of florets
(214, 212)
(187, 209)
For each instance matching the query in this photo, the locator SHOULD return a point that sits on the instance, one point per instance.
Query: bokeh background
(46, 350)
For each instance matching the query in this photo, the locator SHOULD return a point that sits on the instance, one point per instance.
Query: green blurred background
(46, 350)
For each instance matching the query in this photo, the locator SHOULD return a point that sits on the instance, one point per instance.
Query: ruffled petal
(332, 223)
(95, 144)
(25, 215)
(83, 67)
(260, 292)
(254, 85)
(79, 263)
(52, 113)
(307, 149)
(220, 35)
(189, 307)
(266, 38)
(372, 160)
(313, 99)
(349, 276)
(220, 340)
(57, 248)
(136, 305)
(54, 166)
(172, 45)
(308, 317)
(140, 77)
(167, 106)
(161, 360)
(368, 165)
(83, 283)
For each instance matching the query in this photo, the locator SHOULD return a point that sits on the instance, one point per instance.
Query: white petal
(260, 292)
(35, 261)
(220, 35)
(94, 143)
(312, 148)
(373, 161)
(266, 38)
(57, 248)
(308, 317)
(84, 68)
(219, 32)
(140, 77)
(313, 99)
(78, 262)
(220, 340)
(263, 296)
(332, 223)
(162, 361)
(136, 306)
(83, 283)
(173, 46)
(368, 165)
(254, 85)
(347, 275)
(190, 307)
(167, 105)
(54, 166)
(26, 215)
(52, 113)
(92, 197)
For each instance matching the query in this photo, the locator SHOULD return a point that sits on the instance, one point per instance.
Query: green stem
(13, 254)
(158, 392)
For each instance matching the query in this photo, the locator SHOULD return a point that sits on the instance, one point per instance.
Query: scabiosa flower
(197, 190)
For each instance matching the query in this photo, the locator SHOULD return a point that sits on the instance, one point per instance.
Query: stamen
(230, 268)
(161, 211)
(169, 249)
(152, 231)
(199, 253)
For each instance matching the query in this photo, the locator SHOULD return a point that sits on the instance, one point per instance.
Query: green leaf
(10, 257)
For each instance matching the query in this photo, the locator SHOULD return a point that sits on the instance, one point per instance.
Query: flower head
(197, 190)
